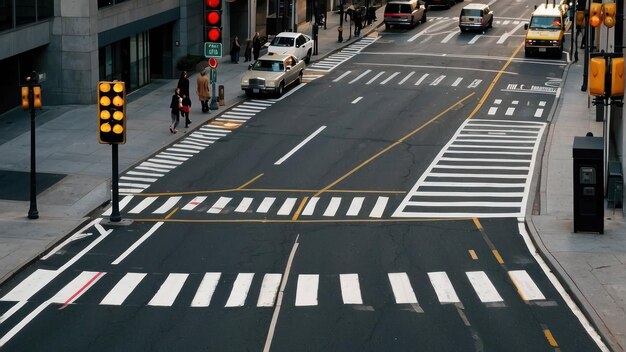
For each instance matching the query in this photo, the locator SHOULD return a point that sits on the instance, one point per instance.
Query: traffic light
(609, 14)
(213, 20)
(111, 112)
(36, 97)
(25, 103)
(595, 14)
(597, 72)
(617, 77)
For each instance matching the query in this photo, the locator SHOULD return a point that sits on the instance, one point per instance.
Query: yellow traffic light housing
(112, 112)
(37, 97)
(617, 77)
(597, 72)
(25, 103)
(595, 14)
(25, 90)
(609, 14)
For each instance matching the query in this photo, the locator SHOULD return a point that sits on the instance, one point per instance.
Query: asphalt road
(373, 209)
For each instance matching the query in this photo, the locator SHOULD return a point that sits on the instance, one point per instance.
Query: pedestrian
(357, 23)
(372, 12)
(349, 12)
(202, 88)
(256, 45)
(175, 106)
(235, 48)
(248, 52)
(183, 83)
(185, 108)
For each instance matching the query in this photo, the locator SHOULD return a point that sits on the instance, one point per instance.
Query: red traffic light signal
(213, 20)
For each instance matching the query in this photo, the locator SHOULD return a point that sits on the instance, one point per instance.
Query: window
(6, 14)
(25, 12)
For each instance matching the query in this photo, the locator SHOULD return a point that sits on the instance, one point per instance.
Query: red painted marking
(77, 293)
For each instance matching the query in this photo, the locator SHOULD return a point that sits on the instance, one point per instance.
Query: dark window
(473, 13)
(6, 14)
(392, 8)
(105, 3)
(45, 9)
(25, 12)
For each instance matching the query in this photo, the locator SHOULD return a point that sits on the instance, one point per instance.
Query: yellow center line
(295, 216)
(493, 83)
(550, 338)
(517, 287)
(497, 255)
(495, 252)
(249, 182)
(391, 146)
(171, 213)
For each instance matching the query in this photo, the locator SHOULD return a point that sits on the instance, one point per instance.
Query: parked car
(272, 73)
(404, 13)
(291, 43)
(475, 17)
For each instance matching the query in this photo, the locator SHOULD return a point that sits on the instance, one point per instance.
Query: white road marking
(333, 206)
(474, 39)
(475, 83)
(379, 207)
(538, 112)
(151, 174)
(406, 78)
(167, 293)
(457, 82)
(310, 206)
(542, 103)
(169, 204)
(448, 37)
(437, 80)
(122, 289)
(509, 111)
(244, 205)
(443, 287)
(497, 101)
(122, 203)
(206, 289)
(390, 78)
(342, 76)
(350, 289)
(357, 100)
(30, 285)
(526, 287)
(306, 291)
(194, 203)
(219, 205)
(142, 205)
(419, 81)
(375, 77)
(355, 206)
(140, 179)
(269, 290)
(492, 110)
(296, 148)
(265, 205)
(287, 206)
(137, 243)
(240, 290)
(485, 290)
(402, 289)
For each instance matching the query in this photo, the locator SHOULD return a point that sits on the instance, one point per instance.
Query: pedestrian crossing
(281, 206)
(499, 107)
(232, 290)
(371, 77)
(331, 62)
(139, 178)
(484, 171)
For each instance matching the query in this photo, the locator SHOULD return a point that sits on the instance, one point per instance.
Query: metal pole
(115, 204)
(587, 49)
(32, 211)
(213, 96)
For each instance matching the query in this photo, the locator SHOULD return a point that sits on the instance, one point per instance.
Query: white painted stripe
(192, 142)
(529, 139)
(121, 204)
(227, 118)
(542, 103)
(480, 167)
(437, 80)
(497, 101)
(265, 205)
(300, 145)
(244, 111)
(360, 76)
(331, 210)
(486, 152)
(140, 179)
(137, 243)
(379, 207)
(158, 167)
(448, 37)
(269, 290)
(421, 79)
(12, 311)
(485, 290)
(77, 287)
(182, 156)
(342, 76)
(390, 78)
(219, 205)
(515, 102)
(406, 78)
(350, 289)
(188, 146)
(169, 204)
(475, 83)
(244, 205)
(457, 82)
(306, 291)
(30, 285)
(206, 289)
(287, 206)
(468, 194)
(240, 290)
(466, 204)
(467, 175)
(474, 39)
(213, 129)
(375, 77)
(194, 203)
(140, 186)
(124, 191)
(474, 184)
(165, 161)
(213, 135)
(526, 287)
(180, 150)
(142, 205)
(137, 173)
(402, 290)
(310, 206)
(443, 287)
(357, 100)
(167, 293)
(506, 22)
(204, 137)
(355, 206)
(539, 112)
(122, 289)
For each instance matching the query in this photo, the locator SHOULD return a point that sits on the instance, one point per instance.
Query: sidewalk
(592, 266)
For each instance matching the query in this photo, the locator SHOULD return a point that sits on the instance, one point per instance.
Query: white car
(291, 43)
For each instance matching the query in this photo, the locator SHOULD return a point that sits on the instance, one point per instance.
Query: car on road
(475, 17)
(291, 43)
(404, 13)
(272, 73)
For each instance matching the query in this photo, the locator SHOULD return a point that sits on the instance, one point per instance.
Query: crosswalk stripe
(265, 205)
(355, 206)
(77, 287)
(219, 205)
(306, 291)
(140, 186)
(333, 206)
(375, 77)
(165, 161)
(244, 205)
(526, 287)
(192, 142)
(206, 289)
(142, 205)
(402, 289)
(194, 203)
(443, 287)
(310, 206)
(538, 112)
(483, 287)
(181, 150)
(287, 206)
(509, 111)
(269, 290)
(240, 290)
(389, 78)
(437, 80)
(31, 285)
(360, 76)
(122, 289)
(140, 179)
(123, 203)
(188, 146)
(475, 83)
(158, 166)
(169, 204)
(350, 289)
(421, 79)
(167, 293)
(379, 207)
(406, 78)
(342, 76)
(138, 173)
(457, 82)
(474, 39)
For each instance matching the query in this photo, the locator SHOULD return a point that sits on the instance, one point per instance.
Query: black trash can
(588, 154)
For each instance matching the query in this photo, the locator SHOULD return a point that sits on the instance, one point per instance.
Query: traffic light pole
(213, 105)
(32, 211)
(115, 206)
(587, 49)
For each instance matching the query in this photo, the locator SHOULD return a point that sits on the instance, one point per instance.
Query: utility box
(615, 185)
(588, 154)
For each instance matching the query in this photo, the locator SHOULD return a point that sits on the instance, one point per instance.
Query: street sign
(212, 49)
(212, 63)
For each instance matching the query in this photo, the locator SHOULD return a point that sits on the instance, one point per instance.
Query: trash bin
(615, 185)
(588, 154)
